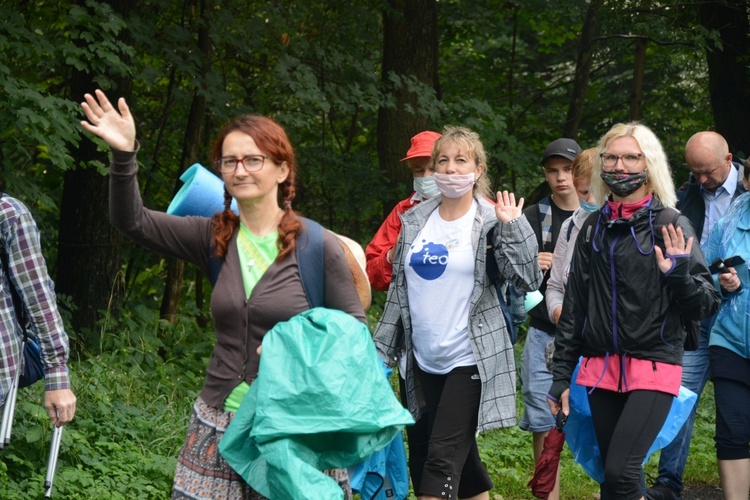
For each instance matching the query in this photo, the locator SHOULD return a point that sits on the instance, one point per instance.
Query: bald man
(715, 182)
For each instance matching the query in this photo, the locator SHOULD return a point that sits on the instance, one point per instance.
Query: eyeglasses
(251, 163)
(628, 161)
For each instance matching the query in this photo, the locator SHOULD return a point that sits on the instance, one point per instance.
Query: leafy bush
(134, 402)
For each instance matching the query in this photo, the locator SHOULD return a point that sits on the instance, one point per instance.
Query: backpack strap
(311, 262)
(667, 216)
(544, 207)
(214, 266)
(571, 224)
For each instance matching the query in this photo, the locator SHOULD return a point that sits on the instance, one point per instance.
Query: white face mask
(454, 185)
(426, 187)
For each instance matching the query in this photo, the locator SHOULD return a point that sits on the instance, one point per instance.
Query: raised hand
(506, 209)
(674, 244)
(115, 126)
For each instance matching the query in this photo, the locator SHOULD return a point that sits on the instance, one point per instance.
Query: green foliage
(133, 406)
(505, 69)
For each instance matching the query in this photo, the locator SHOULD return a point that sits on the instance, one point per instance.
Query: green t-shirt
(256, 256)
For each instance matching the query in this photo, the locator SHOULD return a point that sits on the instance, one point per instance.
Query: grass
(135, 398)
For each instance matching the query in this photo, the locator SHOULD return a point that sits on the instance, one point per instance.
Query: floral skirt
(202, 473)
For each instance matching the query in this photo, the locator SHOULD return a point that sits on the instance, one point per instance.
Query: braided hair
(270, 138)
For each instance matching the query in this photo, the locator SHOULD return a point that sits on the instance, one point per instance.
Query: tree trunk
(410, 49)
(636, 86)
(89, 256)
(728, 74)
(583, 69)
(190, 150)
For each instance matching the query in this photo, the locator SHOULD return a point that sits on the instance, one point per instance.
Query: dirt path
(701, 492)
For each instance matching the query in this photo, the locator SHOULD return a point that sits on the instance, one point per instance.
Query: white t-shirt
(440, 278)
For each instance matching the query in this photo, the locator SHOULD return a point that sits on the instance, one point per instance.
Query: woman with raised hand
(634, 276)
(258, 284)
(442, 311)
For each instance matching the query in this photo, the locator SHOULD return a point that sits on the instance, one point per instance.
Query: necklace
(254, 255)
(269, 228)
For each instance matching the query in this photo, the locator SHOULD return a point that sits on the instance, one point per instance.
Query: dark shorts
(730, 374)
(452, 466)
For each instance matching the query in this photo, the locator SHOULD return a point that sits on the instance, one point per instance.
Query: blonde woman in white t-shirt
(443, 311)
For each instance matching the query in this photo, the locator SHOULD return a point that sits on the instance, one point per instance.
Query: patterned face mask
(623, 183)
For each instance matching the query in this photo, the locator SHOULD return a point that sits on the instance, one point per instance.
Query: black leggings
(626, 425)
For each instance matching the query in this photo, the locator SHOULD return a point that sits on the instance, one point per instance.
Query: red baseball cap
(421, 145)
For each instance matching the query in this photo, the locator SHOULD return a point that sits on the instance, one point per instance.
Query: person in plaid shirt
(27, 273)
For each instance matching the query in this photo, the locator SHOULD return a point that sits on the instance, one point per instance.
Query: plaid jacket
(515, 250)
(28, 274)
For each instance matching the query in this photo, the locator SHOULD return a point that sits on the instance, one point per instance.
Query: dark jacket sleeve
(690, 281)
(186, 238)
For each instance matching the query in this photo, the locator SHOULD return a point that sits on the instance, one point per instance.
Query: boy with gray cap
(545, 218)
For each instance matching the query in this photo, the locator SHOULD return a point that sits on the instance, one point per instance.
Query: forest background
(351, 81)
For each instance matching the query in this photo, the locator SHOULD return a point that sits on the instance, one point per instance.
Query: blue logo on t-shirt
(431, 261)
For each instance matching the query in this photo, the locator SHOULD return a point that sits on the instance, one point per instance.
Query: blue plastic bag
(581, 438)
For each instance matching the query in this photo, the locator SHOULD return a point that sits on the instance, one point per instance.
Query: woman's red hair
(271, 139)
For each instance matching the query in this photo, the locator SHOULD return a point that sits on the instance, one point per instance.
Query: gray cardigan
(240, 323)
(515, 250)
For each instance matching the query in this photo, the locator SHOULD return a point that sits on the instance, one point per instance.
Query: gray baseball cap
(567, 148)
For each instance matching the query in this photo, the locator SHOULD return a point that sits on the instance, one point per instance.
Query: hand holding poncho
(320, 402)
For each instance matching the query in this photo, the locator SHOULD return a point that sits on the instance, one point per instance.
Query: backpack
(544, 217)
(33, 369)
(310, 260)
(510, 299)
(664, 218)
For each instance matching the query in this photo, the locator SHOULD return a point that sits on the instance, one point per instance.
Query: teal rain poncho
(320, 402)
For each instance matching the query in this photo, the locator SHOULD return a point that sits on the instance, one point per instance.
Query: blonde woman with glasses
(635, 273)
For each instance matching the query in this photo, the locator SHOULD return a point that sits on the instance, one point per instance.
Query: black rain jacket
(617, 299)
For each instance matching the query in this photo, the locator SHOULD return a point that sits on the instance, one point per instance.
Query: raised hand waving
(115, 126)
(506, 209)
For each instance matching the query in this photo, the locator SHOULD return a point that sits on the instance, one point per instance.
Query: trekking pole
(9, 408)
(54, 449)
(5, 426)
